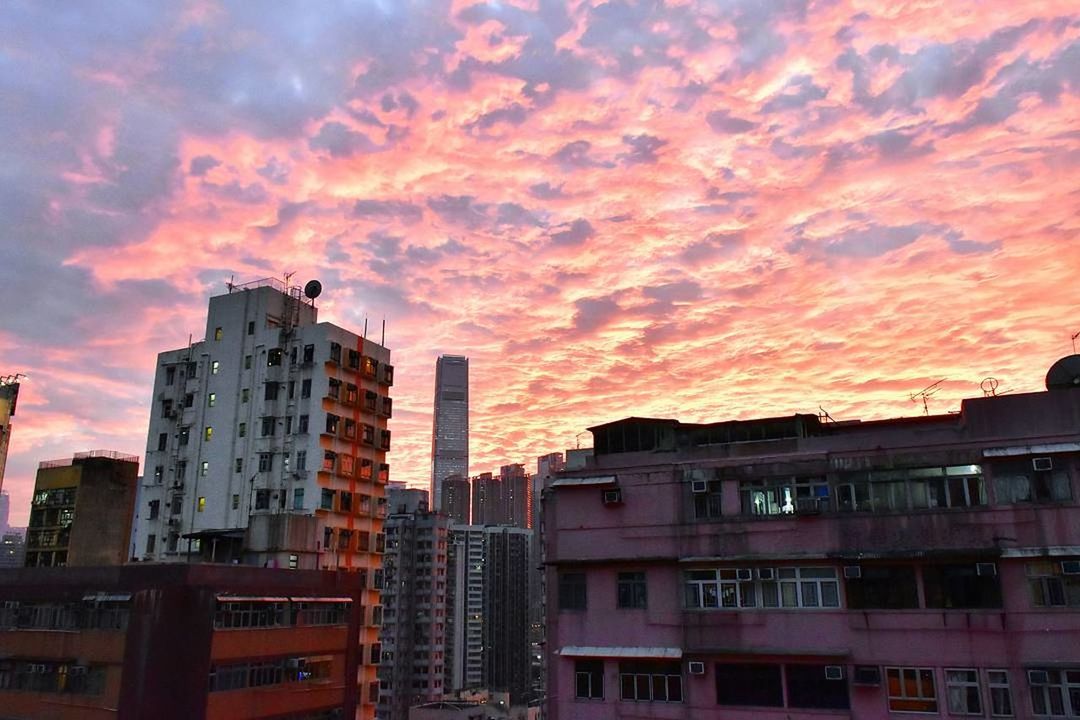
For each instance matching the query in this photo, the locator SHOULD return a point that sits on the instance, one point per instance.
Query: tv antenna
(926, 393)
(824, 416)
(989, 386)
(1074, 336)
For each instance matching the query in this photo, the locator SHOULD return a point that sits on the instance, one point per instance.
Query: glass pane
(642, 682)
(809, 594)
(927, 679)
(626, 687)
(789, 594)
(659, 688)
(674, 688)
(830, 595)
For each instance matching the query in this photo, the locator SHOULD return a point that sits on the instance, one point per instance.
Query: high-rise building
(9, 395)
(82, 509)
(413, 635)
(517, 495)
(456, 499)
(488, 610)
(5, 511)
(267, 445)
(12, 548)
(488, 506)
(450, 435)
(796, 567)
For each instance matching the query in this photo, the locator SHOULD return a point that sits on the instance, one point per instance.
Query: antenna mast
(1075, 335)
(926, 393)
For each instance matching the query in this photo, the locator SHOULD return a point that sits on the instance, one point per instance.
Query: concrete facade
(785, 568)
(9, 396)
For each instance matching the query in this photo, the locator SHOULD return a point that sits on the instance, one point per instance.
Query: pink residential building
(790, 568)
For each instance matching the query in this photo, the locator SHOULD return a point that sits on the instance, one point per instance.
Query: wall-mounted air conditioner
(986, 569)
(696, 667)
(866, 675)
(852, 572)
(834, 672)
(613, 496)
(1042, 464)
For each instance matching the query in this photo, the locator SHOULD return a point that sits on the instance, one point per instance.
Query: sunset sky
(701, 210)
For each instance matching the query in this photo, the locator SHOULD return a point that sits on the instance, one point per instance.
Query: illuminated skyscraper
(450, 435)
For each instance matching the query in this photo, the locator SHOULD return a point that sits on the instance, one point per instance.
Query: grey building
(450, 434)
(456, 500)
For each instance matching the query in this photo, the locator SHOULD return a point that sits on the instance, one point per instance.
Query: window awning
(321, 599)
(1017, 450)
(665, 653)
(249, 598)
(581, 481)
(107, 597)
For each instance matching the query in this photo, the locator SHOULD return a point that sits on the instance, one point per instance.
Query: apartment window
(1017, 481)
(201, 504)
(631, 590)
(151, 543)
(329, 460)
(218, 334)
(274, 357)
(266, 462)
(251, 327)
(335, 389)
(245, 395)
(305, 388)
(749, 685)
(309, 353)
(241, 431)
(211, 399)
(332, 423)
(271, 391)
(354, 359)
(962, 692)
(269, 426)
(170, 375)
(1051, 588)
(572, 591)
(883, 587)
(650, 681)
(247, 362)
(784, 496)
(589, 679)
(345, 503)
(961, 586)
(291, 389)
(808, 687)
(298, 499)
(1055, 693)
(236, 501)
(912, 488)
(911, 689)
(1000, 693)
(302, 424)
(204, 470)
(185, 435)
(208, 434)
(350, 429)
(795, 587)
(189, 400)
(262, 499)
(238, 465)
(351, 393)
(162, 441)
(155, 509)
(166, 408)
(215, 366)
(181, 470)
(335, 352)
(370, 400)
(384, 439)
(326, 502)
(301, 459)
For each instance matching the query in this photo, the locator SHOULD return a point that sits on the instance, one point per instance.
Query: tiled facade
(790, 568)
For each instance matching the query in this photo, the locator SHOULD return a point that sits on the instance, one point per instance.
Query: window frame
(573, 590)
(920, 697)
(966, 685)
(631, 590)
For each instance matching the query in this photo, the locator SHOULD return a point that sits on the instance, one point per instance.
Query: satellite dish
(1064, 374)
(313, 289)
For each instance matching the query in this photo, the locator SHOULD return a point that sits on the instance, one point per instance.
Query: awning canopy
(666, 653)
(582, 481)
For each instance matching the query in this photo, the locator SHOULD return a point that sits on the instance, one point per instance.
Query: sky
(701, 210)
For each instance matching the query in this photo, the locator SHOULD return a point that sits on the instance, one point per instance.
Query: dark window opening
(883, 587)
(572, 591)
(631, 590)
(751, 684)
(961, 586)
(808, 687)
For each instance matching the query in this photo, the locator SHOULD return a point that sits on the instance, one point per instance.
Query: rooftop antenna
(1075, 335)
(989, 386)
(926, 393)
(231, 283)
(382, 341)
(824, 416)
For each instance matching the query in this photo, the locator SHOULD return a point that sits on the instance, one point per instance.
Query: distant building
(5, 511)
(789, 567)
(12, 548)
(82, 509)
(488, 610)
(517, 495)
(413, 634)
(9, 396)
(450, 434)
(180, 642)
(492, 706)
(488, 506)
(456, 499)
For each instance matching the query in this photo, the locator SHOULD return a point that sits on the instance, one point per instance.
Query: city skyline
(611, 209)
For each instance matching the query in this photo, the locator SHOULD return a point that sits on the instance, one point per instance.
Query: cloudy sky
(702, 210)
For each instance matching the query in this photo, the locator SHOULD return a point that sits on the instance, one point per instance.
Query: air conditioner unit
(766, 573)
(807, 506)
(986, 569)
(699, 486)
(1070, 567)
(1038, 677)
(696, 667)
(613, 496)
(744, 574)
(834, 672)
(866, 675)
(852, 572)
(1042, 463)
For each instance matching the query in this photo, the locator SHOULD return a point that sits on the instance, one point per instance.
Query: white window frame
(999, 680)
(963, 684)
(794, 587)
(1063, 684)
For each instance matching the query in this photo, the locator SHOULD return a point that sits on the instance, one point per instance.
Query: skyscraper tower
(450, 435)
(9, 394)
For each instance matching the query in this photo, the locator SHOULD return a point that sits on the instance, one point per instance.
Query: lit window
(205, 468)
(209, 433)
(911, 689)
(218, 334)
(214, 367)
(202, 504)
(211, 399)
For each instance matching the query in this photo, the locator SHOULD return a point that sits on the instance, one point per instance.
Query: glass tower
(450, 435)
